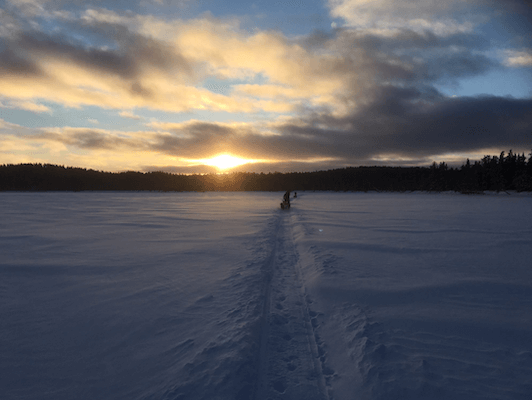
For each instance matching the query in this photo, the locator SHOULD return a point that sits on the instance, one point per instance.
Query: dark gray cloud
(111, 49)
(411, 57)
(400, 111)
(200, 140)
(90, 139)
(514, 17)
(132, 53)
(14, 62)
(42, 8)
(403, 122)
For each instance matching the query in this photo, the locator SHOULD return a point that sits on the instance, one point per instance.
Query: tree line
(496, 173)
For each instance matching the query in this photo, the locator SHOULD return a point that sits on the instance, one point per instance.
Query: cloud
(385, 16)
(92, 138)
(197, 139)
(29, 7)
(146, 62)
(18, 146)
(130, 115)
(135, 71)
(26, 105)
(402, 122)
(515, 58)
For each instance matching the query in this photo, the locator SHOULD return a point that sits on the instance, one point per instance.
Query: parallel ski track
(262, 385)
(289, 363)
(311, 334)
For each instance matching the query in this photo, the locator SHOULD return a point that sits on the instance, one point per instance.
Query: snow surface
(225, 296)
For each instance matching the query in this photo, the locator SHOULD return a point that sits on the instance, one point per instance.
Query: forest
(506, 172)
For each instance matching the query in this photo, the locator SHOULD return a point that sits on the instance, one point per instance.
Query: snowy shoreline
(279, 193)
(348, 295)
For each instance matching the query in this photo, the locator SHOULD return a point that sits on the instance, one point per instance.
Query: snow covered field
(225, 296)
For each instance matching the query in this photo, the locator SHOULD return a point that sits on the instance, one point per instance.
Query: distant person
(286, 201)
(295, 195)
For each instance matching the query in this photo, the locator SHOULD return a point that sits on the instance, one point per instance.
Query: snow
(225, 296)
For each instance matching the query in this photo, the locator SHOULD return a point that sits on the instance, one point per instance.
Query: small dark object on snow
(286, 201)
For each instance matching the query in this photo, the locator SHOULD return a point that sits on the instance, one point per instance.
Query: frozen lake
(225, 296)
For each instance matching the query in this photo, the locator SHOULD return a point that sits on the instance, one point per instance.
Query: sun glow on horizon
(225, 161)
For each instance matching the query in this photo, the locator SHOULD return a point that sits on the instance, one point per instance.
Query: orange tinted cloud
(160, 65)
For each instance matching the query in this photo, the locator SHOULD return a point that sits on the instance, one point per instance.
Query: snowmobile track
(289, 360)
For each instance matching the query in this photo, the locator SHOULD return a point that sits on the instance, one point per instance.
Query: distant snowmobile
(285, 205)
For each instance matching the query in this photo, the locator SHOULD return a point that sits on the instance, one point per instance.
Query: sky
(189, 86)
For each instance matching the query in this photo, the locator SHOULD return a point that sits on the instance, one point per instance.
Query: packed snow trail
(289, 363)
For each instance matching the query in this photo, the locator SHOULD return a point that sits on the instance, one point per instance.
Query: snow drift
(225, 296)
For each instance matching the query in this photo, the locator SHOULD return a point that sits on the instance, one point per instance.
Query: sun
(225, 161)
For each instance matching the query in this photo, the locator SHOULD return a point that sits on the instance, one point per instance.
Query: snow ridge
(226, 366)
(229, 367)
